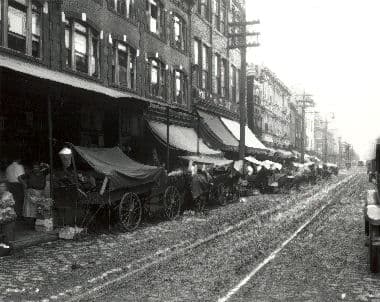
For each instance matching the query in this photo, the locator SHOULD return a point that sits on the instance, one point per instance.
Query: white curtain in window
(17, 21)
(80, 43)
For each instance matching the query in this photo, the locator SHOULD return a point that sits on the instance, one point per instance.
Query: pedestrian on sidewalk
(13, 172)
(7, 214)
(34, 183)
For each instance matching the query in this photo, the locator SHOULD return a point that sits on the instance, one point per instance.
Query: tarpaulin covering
(223, 135)
(122, 171)
(208, 160)
(251, 140)
(284, 154)
(182, 138)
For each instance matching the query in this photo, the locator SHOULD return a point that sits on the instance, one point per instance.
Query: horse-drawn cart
(115, 182)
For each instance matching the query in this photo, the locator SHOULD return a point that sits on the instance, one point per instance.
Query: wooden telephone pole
(305, 102)
(238, 35)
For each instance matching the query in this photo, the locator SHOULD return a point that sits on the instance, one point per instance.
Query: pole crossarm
(236, 24)
(244, 45)
(236, 35)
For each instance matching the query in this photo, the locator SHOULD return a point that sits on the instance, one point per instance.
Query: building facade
(271, 110)
(215, 68)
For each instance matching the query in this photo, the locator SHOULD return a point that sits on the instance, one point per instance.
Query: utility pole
(325, 141)
(305, 102)
(238, 35)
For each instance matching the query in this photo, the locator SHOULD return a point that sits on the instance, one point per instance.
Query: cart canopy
(122, 171)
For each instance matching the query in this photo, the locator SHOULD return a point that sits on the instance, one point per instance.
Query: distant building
(269, 113)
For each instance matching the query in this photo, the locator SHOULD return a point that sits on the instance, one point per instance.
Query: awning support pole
(167, 138)
(50, 125)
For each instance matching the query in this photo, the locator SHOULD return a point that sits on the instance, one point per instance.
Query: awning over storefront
(215, 127)
(251, 140)
(182, 138)
(44, 73)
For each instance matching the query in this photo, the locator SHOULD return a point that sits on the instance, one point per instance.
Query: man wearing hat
(13, 172)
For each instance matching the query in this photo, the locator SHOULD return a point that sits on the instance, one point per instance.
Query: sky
(330, 49)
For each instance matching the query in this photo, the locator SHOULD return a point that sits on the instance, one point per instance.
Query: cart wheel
(221, 195)
(172, 202)
(130, 212)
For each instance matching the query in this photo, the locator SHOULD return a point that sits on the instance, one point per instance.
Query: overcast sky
(330, 48)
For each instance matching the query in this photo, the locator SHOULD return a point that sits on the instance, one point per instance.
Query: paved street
(202, 258)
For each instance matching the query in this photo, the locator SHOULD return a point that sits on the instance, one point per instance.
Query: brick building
(271, 109)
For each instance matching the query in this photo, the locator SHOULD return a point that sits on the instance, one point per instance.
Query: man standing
(13, 172)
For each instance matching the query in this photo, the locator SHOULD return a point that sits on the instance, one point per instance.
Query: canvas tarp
(122, 171)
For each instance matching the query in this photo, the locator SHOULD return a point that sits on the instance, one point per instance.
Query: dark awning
(182, 138)
(218, 131)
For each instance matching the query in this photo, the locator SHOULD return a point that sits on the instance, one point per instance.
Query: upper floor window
(204, 8)
(234, 84)
(179, 87)
(179, 33)
(217, 79)
(156, 17)
(23, 33)
(157, 77)
(82, 48)
(124, 65)
(205, 82)
(125, 8)
(219, 15)
(224, 78)
(196, 52)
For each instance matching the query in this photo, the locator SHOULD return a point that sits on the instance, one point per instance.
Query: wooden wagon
(124, 187)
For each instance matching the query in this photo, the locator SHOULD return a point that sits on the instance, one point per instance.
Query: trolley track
(143, 264)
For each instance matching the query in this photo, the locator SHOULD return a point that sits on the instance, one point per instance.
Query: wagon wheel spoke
(172, 202)
(130, 211)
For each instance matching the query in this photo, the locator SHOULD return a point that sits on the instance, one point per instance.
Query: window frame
(29, 35)
(160, 21)
(158, 89)
(183, 89)
(183, 32)
(91, 36)
(131, 57)
(205, 70)
(129, 8)
(203, 9)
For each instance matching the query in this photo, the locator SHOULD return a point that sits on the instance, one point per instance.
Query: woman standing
(34, 183)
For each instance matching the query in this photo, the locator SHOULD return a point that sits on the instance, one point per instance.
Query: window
(124, 65)
(125, 8)
(156, 17)
(179, 87)
(234, 83)
(217, 86)
(157, 78)
(224, 78)
(24, 27)
(219, 15)
(81, 48)
(205, 68)
(204, 8)
(179, 33)
(196, 52)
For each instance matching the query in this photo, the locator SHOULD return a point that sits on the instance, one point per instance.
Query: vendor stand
(113, 181)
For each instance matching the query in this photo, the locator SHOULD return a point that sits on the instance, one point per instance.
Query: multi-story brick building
(272, 114)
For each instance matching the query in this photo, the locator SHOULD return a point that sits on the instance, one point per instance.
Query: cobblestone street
(327, 262)
(63, 269)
